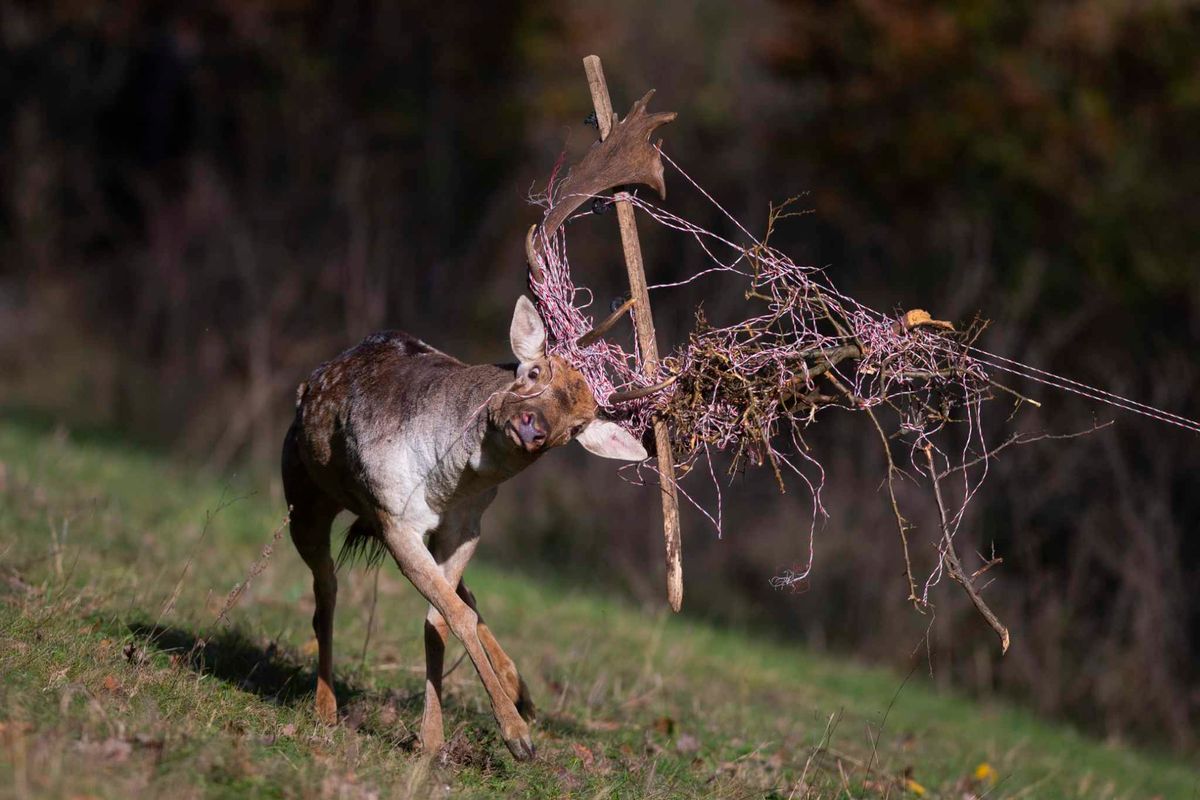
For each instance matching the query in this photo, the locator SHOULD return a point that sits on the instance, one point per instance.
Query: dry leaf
(918, 317)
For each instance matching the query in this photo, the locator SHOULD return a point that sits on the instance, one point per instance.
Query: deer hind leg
(514, 684)
(451, 549)
(436, 634)
(311, 517)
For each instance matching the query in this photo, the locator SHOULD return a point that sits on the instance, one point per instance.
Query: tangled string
(751, 389)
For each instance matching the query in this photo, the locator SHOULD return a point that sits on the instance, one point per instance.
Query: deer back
(396, 425)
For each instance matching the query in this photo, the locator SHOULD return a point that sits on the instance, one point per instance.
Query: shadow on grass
(278, 676)
(234, 658)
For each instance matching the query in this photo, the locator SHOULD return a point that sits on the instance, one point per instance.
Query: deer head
(549, 403)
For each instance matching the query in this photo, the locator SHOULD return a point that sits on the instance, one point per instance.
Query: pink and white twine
(926, 377)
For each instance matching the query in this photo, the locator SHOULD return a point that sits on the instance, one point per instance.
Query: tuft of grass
(120, 681)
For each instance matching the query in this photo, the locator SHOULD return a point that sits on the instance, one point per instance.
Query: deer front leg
(514, 684)
(419, 566)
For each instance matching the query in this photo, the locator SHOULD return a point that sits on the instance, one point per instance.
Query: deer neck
(475, 455)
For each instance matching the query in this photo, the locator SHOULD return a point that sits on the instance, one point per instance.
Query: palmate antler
(623, 156)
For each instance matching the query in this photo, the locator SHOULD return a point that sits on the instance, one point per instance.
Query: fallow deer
(414, 443)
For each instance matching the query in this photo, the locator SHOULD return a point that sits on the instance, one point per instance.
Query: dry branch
(953, 564)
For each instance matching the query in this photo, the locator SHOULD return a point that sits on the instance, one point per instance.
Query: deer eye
(534, 373)
(576, 430)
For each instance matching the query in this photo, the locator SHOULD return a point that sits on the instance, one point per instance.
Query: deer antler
(594, 335)
(624, 156)
(640, 392)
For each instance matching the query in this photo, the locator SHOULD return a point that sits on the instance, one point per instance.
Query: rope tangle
(751, 389)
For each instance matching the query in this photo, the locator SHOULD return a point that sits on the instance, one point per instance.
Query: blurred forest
(199, 202)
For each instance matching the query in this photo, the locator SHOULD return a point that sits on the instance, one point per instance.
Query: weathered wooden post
(644, 328)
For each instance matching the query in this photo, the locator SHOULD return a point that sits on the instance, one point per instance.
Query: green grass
(115, 563)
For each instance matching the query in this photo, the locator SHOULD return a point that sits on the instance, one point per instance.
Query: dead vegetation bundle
(751, 389)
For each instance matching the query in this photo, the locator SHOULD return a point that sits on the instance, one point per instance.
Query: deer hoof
(326, 703)
(521, 747)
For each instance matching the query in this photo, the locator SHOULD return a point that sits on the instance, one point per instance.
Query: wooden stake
(644, 327)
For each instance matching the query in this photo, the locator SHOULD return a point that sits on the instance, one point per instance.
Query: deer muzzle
(527, 429)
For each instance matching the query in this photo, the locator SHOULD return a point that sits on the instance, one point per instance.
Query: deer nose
(531, 428)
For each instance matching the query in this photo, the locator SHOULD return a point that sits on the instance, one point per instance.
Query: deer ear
(609, 440)
(527, 334)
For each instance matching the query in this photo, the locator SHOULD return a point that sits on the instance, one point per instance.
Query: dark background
(200, 202)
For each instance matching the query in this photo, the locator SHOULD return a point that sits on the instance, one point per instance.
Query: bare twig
(953, 564)
(362, 661)
(209, 516)
(883, 722)
(649, 163)
(255, 570)
(1020, 438)
(1020, 397)
(902, 525)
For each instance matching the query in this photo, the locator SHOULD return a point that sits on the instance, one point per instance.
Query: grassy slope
(105, 693)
